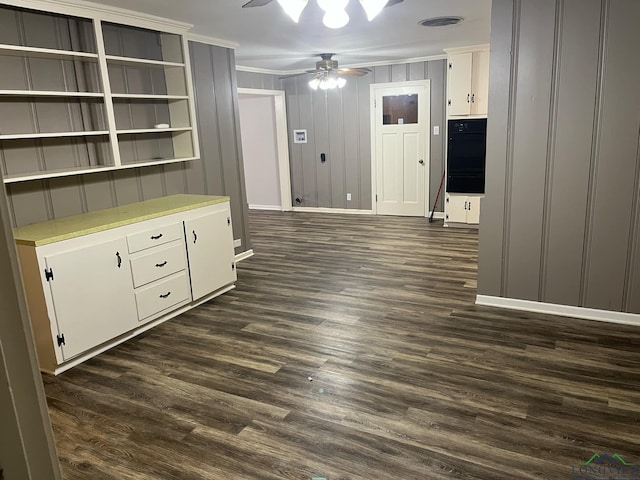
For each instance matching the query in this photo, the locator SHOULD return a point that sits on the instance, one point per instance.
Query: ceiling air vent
(440, 21)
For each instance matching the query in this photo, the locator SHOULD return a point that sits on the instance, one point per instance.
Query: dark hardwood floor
(352, 349)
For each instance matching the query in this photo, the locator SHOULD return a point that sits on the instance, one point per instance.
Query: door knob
(421, 162)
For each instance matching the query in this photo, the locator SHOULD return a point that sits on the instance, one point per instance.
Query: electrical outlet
(348, 197)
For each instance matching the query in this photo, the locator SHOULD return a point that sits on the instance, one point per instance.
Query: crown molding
(218, 42)
(382, 63)
(470, 48)
(81, 8)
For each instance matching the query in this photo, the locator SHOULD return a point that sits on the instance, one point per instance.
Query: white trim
(437, 215)
(276, 208)
(218, 42)
(244, 255)
(282, 141)
(557, 309)
(381, 63)
(237, 243)
(485, 47)
(267, 71)
(80, 8)
(348, 211)
(373, 88)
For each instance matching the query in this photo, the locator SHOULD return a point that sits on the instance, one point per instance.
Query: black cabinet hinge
(376, 197)
(450, 65)
(229, 221)
(449, 103)
(233, 267)
(48, 274)
(61, 340)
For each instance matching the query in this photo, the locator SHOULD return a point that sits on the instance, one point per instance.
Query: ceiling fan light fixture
(293, 8)
(341, 81)
(335, 19)
(314, 83)
(373, 7)
(324, 84)
(332, 5)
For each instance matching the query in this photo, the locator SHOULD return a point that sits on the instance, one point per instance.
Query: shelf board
(154, 130)
(24, 177)
(44, 93)
(26, 136)
(141, 61)
(142, 96)
(20, 51)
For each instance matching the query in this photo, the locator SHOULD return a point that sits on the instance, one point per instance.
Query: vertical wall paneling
(322, 143)
(436, 73)
(576, 96)
(364, 112)
(616, 160)
(295, 149)
(562, 210)
(501, 86)
(308, 150)
(534, 76)
(351, 127)
(97, 191)
(335, 155)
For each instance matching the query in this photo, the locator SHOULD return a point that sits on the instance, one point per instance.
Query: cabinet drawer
(162, 294)
(157, 236)
(158, 263)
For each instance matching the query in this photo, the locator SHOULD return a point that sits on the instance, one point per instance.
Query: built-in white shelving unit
(107, 97)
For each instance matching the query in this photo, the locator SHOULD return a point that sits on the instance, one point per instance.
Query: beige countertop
(65, 228)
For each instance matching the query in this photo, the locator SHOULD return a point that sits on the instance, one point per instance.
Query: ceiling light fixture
(327, 81)
(335, 13)
(293, 8)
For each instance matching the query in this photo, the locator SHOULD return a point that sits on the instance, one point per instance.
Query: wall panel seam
(595, 149)
(511, 120)
(216, 113)
(632, 248)
(551, 145)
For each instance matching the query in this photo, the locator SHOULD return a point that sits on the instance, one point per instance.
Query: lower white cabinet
(210, 267)
(95, 280)
(462, 209)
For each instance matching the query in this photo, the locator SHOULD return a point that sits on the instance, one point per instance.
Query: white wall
(259, 148)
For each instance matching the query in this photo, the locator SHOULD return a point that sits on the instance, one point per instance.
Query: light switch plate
(436, 130)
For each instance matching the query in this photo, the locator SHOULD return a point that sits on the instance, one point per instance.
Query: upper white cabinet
(94, 280)
(468, 82)
(81, 95)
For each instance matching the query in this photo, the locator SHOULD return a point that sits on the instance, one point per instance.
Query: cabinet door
(92, 295)
(473, 210)
(456, 208)
(480, 84)
(210, 252)
(459, 84)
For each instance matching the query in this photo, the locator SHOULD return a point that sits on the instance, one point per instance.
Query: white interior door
(401, 146)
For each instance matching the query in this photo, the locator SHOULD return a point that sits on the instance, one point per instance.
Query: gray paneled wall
(218, 172)
(338, 124)
(561, 218)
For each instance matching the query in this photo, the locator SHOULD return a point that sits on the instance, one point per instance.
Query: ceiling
(268, 39)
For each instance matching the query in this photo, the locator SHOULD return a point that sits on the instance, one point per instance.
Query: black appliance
(466, 155)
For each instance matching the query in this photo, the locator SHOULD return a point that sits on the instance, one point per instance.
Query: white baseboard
(349, 211)
(557, 309)
(244, 255)
(277, 208)
(437, 215)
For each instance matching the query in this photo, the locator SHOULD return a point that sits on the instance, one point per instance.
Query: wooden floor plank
(352, 349)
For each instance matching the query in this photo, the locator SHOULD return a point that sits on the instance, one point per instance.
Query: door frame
(282, 141)
(373, 90)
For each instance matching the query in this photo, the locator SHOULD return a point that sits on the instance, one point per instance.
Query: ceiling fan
(327, 75)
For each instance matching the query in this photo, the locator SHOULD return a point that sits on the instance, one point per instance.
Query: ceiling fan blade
(292, 75)
(259, 3)
(355, 72)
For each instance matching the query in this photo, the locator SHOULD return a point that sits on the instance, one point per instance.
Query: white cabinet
(462, 209)
(95, 280)
(211, 261)
(92, 295)
(468, 83)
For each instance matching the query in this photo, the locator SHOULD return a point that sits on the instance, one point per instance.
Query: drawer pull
(160, 265)
(119, 259)
(156, 237)
(195, 237)
(165, 295)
